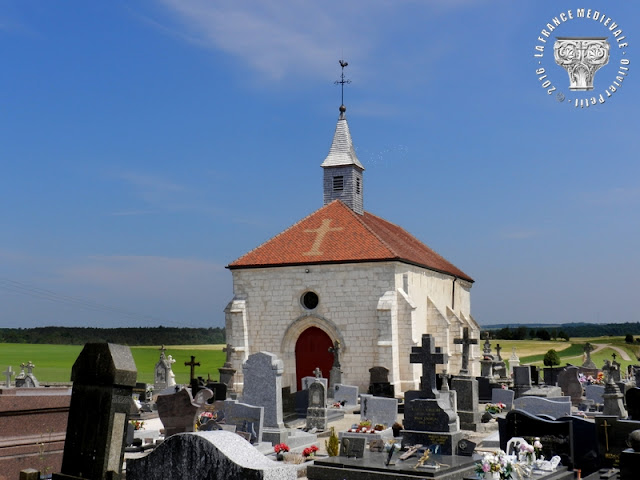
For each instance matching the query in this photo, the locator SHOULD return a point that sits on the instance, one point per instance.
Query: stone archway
(312, 350)
(290, 343)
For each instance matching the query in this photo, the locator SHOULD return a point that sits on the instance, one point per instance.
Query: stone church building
(345, 274)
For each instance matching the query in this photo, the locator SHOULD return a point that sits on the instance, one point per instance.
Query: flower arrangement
(365, 427)
(310, 451)
(137, 424)
(495, 407)
(281, 448)
(537, 448)
(495, 463)
(590, 380)
(526, 452)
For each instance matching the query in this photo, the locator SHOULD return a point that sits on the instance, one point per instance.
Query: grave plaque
(503, 395)
(352, 446)
(103, 379)
(542, 406)
(570, 384)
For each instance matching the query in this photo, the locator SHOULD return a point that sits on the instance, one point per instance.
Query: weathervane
(342, 80)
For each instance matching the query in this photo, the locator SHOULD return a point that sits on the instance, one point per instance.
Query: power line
(44, 294)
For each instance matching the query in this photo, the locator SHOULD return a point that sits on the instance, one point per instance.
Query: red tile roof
(336, 234)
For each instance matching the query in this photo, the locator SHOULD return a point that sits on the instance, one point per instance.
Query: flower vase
(492, 476)
(280, 456)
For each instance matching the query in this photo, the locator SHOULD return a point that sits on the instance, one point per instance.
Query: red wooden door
(312, 350)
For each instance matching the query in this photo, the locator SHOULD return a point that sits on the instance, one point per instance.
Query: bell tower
(342, 169)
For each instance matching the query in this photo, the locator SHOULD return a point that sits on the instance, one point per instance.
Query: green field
(53, 362)
(533, 351)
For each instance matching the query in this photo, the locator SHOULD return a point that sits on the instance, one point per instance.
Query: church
(345, 274)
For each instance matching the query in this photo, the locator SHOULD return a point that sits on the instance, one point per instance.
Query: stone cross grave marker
(30, 366)
(486, 347)
(192, 364)
(335, 376)
(336, 353)
(317, 372)
(588, 363)
(8, 373)
(465, 341)
(498, 348)
(429, 356)
(228, 350)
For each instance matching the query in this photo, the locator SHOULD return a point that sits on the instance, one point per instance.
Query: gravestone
(535, 375)
(219, 390)
(227, 372)
(514, 360)
(612, 435)
(263, 388)
(615, 371)
(485, 387)
(588, 363)
(466, 387)
(633, 403)
(378, 410)
(428, 416)
(163, 373)
(177, 412)
(542, 406)
(103, 377)
(466, 341)
(345, 393)
(503, 395)
(585, 444)
(216, 455)
(521, 380)
(594, 393)
(308, 381)
(317, 410)
(570, 384)
(8, 373)
(27, 380)
(550, 375)
(335, 376)
(612, 397)
(246, 418)
(556, 436)
(203, 396)
(379, 385)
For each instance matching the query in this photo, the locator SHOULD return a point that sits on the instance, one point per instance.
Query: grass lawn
(53, 362)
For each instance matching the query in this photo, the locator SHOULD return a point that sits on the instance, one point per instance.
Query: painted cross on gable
(8, 373)
(465, 341)
(320, 232)
(193, 364)
(429, 356)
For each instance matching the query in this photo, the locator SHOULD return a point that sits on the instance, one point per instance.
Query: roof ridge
(419, 241)
(363, 223)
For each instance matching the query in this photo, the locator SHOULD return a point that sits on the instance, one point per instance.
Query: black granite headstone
(632, 398)
(219, 391)
(556, 436)
(612, 437)
(585, 444)
(352, 446)
(103, 378)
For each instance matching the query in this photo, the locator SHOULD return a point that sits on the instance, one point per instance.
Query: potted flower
(537, 448)
(280, 450)
(494, 466)
(527, 453)
(310, 452)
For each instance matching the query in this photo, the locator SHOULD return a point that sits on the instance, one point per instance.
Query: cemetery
(108, 425)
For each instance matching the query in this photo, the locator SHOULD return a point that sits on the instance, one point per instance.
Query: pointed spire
(342, 152)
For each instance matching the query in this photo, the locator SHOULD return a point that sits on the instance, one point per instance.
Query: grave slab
(217, 455)
(542, 406)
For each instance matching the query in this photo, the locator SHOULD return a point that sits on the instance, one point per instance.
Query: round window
(309, 300)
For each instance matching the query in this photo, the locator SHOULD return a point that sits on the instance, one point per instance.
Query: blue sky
(146, 145)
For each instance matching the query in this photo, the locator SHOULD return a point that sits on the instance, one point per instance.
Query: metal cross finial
(342, 80)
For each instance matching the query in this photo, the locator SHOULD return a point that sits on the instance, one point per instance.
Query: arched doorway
(312, 350)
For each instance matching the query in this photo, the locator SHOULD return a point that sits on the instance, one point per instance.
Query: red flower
(281, 447)
(310, 451)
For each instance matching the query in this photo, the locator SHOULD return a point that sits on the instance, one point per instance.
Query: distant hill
(124, 336)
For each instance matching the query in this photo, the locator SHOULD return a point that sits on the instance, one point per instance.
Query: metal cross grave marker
(429, 356)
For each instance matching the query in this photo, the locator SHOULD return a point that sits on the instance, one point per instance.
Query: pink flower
(485, 467)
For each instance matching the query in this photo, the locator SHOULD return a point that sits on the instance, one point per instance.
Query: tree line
(564, 332)
(125, 336)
